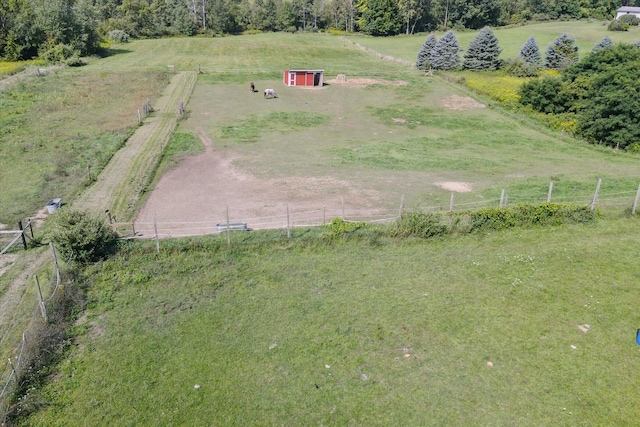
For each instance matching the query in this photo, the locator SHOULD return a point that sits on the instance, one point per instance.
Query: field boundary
(121, 183)
(295, 218)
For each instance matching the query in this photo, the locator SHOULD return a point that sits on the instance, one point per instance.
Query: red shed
(303, 77)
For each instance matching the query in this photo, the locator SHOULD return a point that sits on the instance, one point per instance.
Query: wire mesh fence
(17, 363)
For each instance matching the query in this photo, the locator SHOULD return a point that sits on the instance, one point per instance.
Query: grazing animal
(270, 93)
(253, 87)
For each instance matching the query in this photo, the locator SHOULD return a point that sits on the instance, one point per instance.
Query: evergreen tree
(562, 52)
(603, 44)
(424, 56)
(483, 52)
(530, 52)
(445, 54)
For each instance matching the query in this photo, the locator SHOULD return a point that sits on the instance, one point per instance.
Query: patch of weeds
(250, 130)
(418, 224)
(339, 228)
(412, 116)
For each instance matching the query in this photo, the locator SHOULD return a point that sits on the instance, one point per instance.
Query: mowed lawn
(586, 34)
(359, 331)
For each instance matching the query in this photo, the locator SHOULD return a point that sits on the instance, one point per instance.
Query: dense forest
(30, 28)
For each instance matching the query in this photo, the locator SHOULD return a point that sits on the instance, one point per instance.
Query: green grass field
(587, 34)
(312, 331)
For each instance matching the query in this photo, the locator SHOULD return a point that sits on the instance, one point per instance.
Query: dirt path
(119, 185)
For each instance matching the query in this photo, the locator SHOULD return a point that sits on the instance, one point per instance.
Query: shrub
(617, 25)
(340, 227)
(545, 95)
(75, 61)
(527, 215)
(417, 224)
(119, 36)
(55, 53)
(518, 67)
(629, 19)
(82, 237)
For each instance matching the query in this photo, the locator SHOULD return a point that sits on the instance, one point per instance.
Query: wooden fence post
(24, 241)
(324, 215)
(288, 227)
(155, 230)
(595, 196)
(502, 198)
(635, 202)
(342, 199)
(30, 225)
(451, 203)
(55, 263)
(228, 231)
(43, 309)
(549, 193)
(401, 206)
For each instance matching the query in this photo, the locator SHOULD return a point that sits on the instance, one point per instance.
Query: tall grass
(56, 129)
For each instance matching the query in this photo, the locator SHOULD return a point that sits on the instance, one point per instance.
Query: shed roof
(315, 71)
(629, 9)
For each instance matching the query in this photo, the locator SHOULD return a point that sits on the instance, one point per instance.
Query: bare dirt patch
(199, 189)
(364, 82)
(458, 187)
(455, 102)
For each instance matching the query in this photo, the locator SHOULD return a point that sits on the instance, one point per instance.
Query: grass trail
(120, 184)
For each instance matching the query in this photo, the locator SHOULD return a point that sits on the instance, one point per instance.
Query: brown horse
(253, 87)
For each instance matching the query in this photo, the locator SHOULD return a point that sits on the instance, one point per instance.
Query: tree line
(30, 28)
(596, 98)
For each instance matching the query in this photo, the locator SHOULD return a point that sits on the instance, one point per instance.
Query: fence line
(291, 218)
(21, 235)
(14, 364)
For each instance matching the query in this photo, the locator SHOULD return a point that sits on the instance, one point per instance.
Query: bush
(545, 95)
(119, 36)
(631, 20)
(340, 228)
(417, 224)
(518, 67)
(527, 215)
(82, 237)
(75, 61)
(617, 25)
(55, 53)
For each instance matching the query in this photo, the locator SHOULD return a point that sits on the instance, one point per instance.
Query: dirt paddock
(194, 196)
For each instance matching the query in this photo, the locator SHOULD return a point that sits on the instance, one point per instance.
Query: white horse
(270, 93)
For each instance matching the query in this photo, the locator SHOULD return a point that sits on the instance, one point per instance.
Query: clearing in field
(359, 148)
